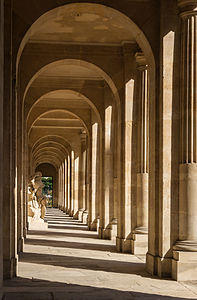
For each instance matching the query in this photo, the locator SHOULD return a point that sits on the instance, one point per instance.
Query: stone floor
(69, 262)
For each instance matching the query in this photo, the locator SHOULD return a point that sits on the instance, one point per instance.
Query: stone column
(92, 221)
(59, 187)
(139, 243)
(82, 175)
(87, 192)
(65, 185)
(184, 266)
(106, 217)
(76, 188)
(68, 186)
(72, 183)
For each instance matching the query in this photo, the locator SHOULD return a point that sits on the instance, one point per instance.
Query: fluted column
(140, 242)
(93, 187)
(142, 176)
(188, 166)
(72, 183)
(65, 185)
(87, 192)
(68, 207)
(82, 175)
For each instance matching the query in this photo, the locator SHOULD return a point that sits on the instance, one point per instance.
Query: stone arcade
(102, 96)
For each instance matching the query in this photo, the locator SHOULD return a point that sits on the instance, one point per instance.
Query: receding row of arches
(94, 111)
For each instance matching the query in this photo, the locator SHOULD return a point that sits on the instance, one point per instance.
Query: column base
(139, 243)
(184, 265)
(93, 226)
(70, 213)
(160, 266)
(98, 224)
(25, 232)
(151, 264)
(85, 217)
(80, 214)
(123, 245)
(20, 244)
(110, 232)
(104, 233)
(10, 268)
(114, 229)
(75, 215)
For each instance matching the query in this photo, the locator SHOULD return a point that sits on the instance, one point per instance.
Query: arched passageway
(94, 103)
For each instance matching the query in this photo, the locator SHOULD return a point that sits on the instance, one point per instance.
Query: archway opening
(47, 190)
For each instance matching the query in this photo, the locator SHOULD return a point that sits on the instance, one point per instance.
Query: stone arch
(74, 92)
(85, 63)
(136, 31)
(48, 144)
(55, 110)
(55, 138)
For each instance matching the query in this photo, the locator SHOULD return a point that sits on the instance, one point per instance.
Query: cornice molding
(67, 82)
(70, 49)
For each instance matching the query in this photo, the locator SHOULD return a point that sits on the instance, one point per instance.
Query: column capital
(83, 136)
(141, 61)
(187, 7)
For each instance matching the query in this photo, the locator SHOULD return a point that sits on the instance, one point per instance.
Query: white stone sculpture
(36, 203)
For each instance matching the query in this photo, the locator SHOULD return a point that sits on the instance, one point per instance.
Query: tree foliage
(48, 185)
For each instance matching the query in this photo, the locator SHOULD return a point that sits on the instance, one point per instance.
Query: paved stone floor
(69, 262)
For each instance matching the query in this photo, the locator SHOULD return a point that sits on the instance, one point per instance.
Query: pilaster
(9, 155)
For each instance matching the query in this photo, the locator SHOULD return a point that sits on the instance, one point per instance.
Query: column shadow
(35, 289)
(66, 244)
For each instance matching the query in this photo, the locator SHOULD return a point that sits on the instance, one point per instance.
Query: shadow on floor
(35, 289)
(92, 235)
(82, 227)
(85, 263)
(64, 221)
(65, 244)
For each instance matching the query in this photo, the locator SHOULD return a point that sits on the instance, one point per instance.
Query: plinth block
(184, 265)
(139, 244)
(39, 224)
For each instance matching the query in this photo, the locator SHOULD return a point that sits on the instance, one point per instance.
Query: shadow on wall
(34, 289)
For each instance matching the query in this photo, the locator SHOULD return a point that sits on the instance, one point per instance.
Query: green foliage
(48, 189)
(48, 184)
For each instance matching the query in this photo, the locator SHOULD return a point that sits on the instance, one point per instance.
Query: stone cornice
(68, 49)
(65, 82)
(141, 61)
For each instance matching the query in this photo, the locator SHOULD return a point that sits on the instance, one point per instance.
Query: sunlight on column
(76, 184)
(68, 184)
(65, 184)
(108, 126)
(168, 76)
(128, 151)
(108, 162)
(94, 163)
(72, 180)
